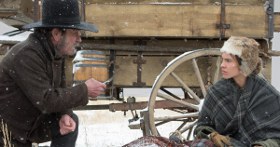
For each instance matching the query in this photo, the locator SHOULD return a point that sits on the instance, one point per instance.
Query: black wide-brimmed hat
(61, 14)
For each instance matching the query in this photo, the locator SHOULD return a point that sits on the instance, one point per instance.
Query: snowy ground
(102, 128)
(105, 129)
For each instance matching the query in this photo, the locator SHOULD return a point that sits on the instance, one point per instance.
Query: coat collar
(50, 49)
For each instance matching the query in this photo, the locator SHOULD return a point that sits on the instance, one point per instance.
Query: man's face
(68, 41)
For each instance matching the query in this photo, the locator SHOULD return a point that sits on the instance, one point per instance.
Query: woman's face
(229, 66)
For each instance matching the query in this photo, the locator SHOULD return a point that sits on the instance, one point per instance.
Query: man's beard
(63, 50)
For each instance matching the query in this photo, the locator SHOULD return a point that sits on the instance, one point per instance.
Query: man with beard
(35, 103)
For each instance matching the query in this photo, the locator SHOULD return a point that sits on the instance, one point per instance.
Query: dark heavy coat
(32, 83)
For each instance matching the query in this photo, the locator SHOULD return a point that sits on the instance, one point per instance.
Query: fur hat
(248, 50)
(61, 14)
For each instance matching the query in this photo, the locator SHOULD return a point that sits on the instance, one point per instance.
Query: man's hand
(94, 87)
(220, 140)
(66, 124)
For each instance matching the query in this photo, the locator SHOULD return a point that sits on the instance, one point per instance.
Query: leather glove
(220, 140)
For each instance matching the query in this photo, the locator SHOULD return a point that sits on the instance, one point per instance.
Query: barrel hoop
(90, 59)
(91, 65)
(91, 52)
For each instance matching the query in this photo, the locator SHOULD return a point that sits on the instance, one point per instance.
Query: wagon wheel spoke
(189, 126)
(169, 93)
(183, 103)
(186, 87)
(199, 77)
(182, 125)
(183, 119)
(180, 112)
(217, 73)
(177, 117)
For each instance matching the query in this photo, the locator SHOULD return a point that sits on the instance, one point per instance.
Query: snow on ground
(105, 129)
(102, 128)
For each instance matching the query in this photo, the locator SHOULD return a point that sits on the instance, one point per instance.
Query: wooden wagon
(162, 45)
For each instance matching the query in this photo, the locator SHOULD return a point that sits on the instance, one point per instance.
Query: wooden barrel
(90, 64)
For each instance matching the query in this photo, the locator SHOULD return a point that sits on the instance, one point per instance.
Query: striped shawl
(248, 115)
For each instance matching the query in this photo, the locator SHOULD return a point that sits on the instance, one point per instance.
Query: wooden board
(252, 2)
(247, 21)
(126, 71)
(277, 22)
(193, 21)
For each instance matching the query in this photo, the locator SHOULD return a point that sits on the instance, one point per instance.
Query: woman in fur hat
(242, 109)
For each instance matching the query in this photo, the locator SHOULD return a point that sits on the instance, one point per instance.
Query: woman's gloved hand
(220, 140)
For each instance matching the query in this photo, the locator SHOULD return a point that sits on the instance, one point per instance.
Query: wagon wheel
(163, 117)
